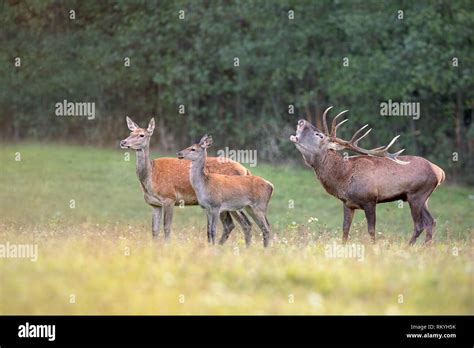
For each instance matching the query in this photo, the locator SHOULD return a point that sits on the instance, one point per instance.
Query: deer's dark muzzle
(123, 144)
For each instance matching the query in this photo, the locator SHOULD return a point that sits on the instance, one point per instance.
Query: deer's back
(387, 180)
(242, 190)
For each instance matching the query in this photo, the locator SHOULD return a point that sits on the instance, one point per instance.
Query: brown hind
(165, 181)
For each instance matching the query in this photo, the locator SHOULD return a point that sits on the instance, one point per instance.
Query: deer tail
(440, 174)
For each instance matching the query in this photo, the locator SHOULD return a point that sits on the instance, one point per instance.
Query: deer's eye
(318, 134)
(193, 149)
(142, 135)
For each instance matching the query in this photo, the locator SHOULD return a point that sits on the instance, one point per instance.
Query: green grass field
(99, 257)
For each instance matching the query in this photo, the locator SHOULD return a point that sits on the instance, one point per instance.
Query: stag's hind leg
(416, 208)
(428, 222)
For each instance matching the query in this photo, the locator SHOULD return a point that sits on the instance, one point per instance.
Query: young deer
(219, 193)
(378, 176)
(165, 181)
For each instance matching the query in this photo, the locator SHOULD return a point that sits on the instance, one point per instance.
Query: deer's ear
(205, 141)
(131, 125)
(151, 126)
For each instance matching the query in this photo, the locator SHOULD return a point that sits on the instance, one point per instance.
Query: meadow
(83, 208)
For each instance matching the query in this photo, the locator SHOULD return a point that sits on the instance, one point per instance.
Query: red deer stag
(165, 182)
(377, 176)
(219, 193)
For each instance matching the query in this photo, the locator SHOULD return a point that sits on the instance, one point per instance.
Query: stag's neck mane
(333, 171)
(145, 169)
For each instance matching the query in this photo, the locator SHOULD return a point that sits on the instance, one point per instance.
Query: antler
(333, 125)
(352, 144)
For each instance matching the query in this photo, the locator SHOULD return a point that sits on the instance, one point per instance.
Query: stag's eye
(142, 135)
(318, 134)
(193, 149)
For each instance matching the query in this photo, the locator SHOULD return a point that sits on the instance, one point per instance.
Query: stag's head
(309, 140)
(139, 138)
(196, 151)
(312, 142)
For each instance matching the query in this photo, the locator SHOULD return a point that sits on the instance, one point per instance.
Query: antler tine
(393, 157)
(391, 143)
(355, 142)
(325, 123)
(379, 148)
(398, 152)
(356, 133)
(333, 125)
(337, 126)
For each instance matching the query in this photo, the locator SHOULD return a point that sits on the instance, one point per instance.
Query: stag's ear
(205, 141)
(151, 126)
(131, 125)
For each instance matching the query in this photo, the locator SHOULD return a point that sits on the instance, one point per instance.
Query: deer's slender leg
(212, 216)
(246, 225)
(168, 218)
(416, 208)
(369, 210)
(262, 222)
(346, 226)
(156, 220)
(228, 225)
(429, 223)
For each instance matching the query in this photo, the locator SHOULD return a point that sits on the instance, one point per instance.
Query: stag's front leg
(156, 220)
(346, 226)
(369, 210)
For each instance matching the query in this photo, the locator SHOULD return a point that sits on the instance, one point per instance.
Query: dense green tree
(302, 54)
